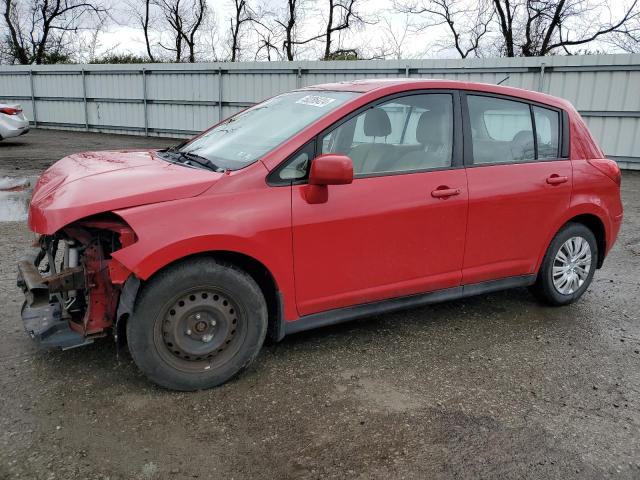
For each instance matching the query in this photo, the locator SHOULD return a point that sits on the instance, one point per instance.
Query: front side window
(408, 133)
(247, 136)
(501, 130)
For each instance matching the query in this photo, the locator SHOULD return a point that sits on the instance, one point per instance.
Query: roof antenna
(504, 79)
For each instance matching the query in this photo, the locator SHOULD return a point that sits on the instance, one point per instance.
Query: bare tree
(467, 22)
(289, 25)
(267, 44)
(541, 27)
(525, 27)
(242, 15)
(290, 20)
(266, 33)
(568, 23)
(145, 20)
(185, 18)
(16, 43)
(190, 32)
(143, 13)
(36, 31)
(213, 46)
(88, 47)
(342, 15)
(628, 41)
(505, 10)
(173, 16)
(395, 38)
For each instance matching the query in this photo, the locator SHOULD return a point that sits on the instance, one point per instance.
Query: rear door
(399, 228)
(519, 183)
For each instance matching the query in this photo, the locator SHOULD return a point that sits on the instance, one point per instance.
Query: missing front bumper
(42, 313)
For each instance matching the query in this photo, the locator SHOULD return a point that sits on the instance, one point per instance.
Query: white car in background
(13, 123)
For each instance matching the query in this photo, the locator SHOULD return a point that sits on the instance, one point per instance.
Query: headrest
(523, 137)
(376, 123)
(430, 129)
(522, 146)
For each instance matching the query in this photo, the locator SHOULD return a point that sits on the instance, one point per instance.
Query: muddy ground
(492, 387)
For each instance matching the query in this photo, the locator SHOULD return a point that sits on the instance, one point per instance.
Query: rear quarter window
(547, 131)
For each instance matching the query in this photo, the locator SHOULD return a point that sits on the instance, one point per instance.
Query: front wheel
(197, 324)
(568, 266)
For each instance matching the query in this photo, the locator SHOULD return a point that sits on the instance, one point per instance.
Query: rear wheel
(568, 266)
(197, 324)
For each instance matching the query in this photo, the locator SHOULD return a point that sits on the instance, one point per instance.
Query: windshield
(242, 139)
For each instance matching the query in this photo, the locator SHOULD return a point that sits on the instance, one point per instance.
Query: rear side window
(548, 131)
(501, 130)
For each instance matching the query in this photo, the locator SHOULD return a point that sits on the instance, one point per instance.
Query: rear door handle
(556, 179)
(444, 192)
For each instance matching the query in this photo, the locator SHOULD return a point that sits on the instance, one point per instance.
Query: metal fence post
(144, 102)
(84, 99)
(219, 94)
(299, 78)
(33, 99)
(406, 71)
(540, 85)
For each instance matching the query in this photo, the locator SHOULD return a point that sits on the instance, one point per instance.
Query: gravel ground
(495, 386)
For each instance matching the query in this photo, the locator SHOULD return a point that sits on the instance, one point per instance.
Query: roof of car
(370, 85)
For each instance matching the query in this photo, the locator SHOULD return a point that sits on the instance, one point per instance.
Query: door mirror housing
(331, 169)
(327, 169)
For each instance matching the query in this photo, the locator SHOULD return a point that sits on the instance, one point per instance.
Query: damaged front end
(71, 283)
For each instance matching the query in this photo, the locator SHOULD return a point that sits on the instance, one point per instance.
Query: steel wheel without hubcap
(200, 329)
(197, 323)
(571, 265)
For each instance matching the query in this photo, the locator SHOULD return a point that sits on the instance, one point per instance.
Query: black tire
(197, 324)
(544, 287)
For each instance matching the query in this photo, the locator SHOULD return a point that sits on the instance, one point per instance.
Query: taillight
(608, 167)
(10, 110)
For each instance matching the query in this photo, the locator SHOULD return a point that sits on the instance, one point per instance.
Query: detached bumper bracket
(42, 314)
(32, 284)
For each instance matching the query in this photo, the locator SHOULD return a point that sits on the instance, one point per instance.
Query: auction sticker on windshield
(315, 100)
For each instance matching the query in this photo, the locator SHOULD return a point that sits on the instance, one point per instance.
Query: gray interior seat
(491, 151)
(433, 132)
(367, 155)
(522, 146)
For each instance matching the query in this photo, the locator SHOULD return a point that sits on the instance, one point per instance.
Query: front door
(399, 228)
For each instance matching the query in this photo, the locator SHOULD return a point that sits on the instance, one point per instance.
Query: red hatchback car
(314, 207)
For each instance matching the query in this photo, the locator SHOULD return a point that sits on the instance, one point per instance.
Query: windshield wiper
(175, 148)
(192, 158)
(200, 160)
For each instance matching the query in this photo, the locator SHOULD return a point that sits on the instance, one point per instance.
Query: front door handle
(556, 179)
(445, 192)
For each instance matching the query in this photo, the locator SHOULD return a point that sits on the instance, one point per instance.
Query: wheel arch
(252, 266)
(590, 219)
(267, 283)
(596, 225)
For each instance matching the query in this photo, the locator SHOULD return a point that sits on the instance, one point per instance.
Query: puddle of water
(14, 199)
(14, 183)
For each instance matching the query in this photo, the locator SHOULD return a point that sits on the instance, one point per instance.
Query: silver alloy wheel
(572, 265)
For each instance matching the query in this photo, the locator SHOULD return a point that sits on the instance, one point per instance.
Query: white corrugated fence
(182, 99)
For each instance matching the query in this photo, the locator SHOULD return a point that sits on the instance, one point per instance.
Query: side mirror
(331, 169)
(328, 169)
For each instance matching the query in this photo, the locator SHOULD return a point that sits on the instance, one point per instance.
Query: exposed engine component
(70, 295)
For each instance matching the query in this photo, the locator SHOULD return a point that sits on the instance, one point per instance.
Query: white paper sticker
(316, 100)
